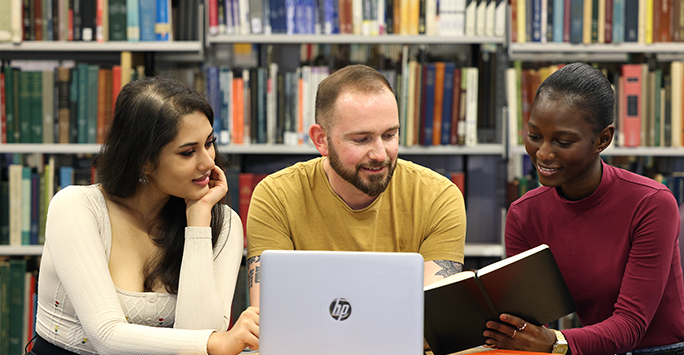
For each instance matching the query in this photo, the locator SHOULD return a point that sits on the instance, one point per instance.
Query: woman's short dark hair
(147, 117)
(586, 89)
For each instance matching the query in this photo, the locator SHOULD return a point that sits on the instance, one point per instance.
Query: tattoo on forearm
(253, 275)
(448, 268)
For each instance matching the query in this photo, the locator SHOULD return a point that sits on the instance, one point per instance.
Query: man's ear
(319, 138)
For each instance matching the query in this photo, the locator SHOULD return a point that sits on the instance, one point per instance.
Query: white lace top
(80, 309)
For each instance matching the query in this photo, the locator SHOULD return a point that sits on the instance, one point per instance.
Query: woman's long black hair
(147, 117)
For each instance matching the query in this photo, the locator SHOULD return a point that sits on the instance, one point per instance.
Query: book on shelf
(246, 184)
(631, 106)
(528, 285)
(16, 298)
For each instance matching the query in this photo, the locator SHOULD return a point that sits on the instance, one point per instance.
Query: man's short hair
(360, 78)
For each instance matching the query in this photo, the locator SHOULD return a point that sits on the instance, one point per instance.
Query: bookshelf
(352, 39)
(201, 49)
(113, 46)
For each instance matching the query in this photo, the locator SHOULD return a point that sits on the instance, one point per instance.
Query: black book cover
(528, 285)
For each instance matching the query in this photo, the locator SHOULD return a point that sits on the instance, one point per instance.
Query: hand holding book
(528, 285)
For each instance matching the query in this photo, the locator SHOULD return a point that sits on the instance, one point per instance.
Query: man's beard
(376, 183)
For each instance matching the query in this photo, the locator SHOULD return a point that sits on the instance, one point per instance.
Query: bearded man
(358, 196)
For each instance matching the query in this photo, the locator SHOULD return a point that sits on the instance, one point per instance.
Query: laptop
(332, 302)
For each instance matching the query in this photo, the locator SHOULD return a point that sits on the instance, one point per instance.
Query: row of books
(649, 102)
(26, 193)
(438, 103)
(94, 20)
(53, 102)
(359, 17)
(18, 304)
(597, 21)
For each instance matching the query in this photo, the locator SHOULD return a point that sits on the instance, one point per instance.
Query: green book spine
(9, 103)
(17, 276)
(117, 20)
(93, 79)
(82, 120)
(73, 106)
(25, 79)
(4, 307)
(36, 90)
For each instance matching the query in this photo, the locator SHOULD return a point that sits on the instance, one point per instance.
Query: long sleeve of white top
(75, 224)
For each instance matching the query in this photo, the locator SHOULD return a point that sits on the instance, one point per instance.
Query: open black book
(528, 285)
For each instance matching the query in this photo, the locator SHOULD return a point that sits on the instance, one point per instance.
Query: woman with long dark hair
(146, 260)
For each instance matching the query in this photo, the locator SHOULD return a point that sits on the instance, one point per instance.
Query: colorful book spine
(148, 18)
(447, 108)
(16, 295)
(162, 27)
(429, 100)
(132, 20)
(631, 104)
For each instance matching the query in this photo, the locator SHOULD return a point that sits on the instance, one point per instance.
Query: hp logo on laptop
(340, 309)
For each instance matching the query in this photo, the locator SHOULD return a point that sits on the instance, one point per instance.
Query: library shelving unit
(352, 39)
(656, 55)
(81, 51)
(489, 150)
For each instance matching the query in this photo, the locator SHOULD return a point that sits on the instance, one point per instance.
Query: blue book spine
(225, 85)
(310, 17)
(448, 101)
(261, 105)
(214, 91)
(558, 16)
(291, 16)
(148, 15)
(536, 20)
(618, 18)
(162, 28)
(26, 205)
(66, 176)
(82, 117)
(93, 81)
(49, 21)
(429, 104)
(132, 20)
(275, 25)
(35, 208)
(328, 17)
(335, 17)
(576, 21)
(631, 21)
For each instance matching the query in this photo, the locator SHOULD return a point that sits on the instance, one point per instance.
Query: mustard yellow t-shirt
(297, 209)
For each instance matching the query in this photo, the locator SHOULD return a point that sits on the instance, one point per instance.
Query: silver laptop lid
(325, 302)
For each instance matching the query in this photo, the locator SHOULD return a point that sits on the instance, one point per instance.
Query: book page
(510, 260)
(451, 279)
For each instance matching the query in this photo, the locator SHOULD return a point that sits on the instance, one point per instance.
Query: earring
(143, 179)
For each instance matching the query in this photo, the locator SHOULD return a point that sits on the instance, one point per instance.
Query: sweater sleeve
(207, 279)
(654, 230)
(78, 254)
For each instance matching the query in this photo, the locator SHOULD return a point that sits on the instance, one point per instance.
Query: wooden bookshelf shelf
(50, 148)
(482, 149)
(21, 250)
(619, 48)
(356, 39)
(79, 46)
(626, 151)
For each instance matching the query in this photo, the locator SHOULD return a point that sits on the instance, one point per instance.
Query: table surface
(478, 349)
